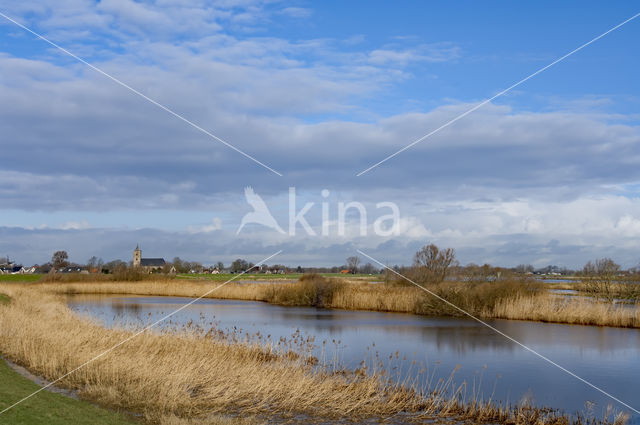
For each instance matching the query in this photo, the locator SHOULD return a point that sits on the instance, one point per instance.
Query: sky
(548, 173)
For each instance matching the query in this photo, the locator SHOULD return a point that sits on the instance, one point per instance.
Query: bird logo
(260, 213)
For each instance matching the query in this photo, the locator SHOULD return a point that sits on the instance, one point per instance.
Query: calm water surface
(607, 357)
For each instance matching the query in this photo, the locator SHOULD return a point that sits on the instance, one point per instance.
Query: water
(559, 280)
(576, 295)
(563, 291)
(607, 357)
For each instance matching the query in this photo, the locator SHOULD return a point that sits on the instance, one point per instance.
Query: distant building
(9, 267)
(74, 269)
(149, 264)
(12, 269)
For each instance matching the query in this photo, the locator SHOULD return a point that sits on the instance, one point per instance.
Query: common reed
(508, 299)
(572, 310)
(626, 289)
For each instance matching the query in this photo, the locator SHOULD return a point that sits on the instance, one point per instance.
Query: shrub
(476, 298)
(311, 290)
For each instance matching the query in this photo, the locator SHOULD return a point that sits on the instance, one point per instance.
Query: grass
(223, 277)
(132, 275)
(47, 407)
(4, 299)
(127, 275)
(20, 277)
(190, 376)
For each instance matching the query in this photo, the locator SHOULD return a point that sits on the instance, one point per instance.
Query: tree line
(430, 264)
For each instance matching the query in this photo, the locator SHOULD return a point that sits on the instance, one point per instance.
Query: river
(609, 358)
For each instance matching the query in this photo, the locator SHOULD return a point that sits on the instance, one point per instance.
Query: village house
(9, 267)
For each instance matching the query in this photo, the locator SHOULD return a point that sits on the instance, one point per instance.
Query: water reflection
(607, 357)
(120, 307)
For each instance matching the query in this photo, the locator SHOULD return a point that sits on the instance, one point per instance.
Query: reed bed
(184, 374)
(506, 299)
(571, 310)
(624, 289)
(188, 376)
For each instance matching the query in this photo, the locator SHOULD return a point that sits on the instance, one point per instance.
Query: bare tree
(116, 266)
(430, 264)
(599, 277)
(368, 269)
(484, 273)
(240, 265)
(353, 263)
(523, 268)
(94, 264)
(179, 265)
(59, 259)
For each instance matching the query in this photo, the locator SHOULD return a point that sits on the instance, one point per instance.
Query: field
(20, 277)
(194, 377)
(223, 277)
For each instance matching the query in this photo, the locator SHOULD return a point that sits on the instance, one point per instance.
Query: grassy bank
(509, 299)
(20, 277)
(47, 407)
(178, 377)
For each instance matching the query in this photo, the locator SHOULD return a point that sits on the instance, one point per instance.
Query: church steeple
(137, 256)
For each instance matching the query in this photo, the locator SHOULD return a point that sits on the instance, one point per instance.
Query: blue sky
(547, 174)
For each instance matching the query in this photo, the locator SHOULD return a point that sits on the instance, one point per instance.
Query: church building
(149, 264)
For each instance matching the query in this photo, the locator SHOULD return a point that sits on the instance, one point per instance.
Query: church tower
(137, 256)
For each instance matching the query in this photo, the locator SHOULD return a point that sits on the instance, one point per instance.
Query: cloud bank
(505, 185)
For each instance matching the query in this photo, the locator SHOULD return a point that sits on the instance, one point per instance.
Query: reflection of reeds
(173, 377)
(509, 299)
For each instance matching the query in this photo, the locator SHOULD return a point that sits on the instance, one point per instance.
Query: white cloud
(75, 225)
(216, 224)
(296, 12)
(421, 53)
